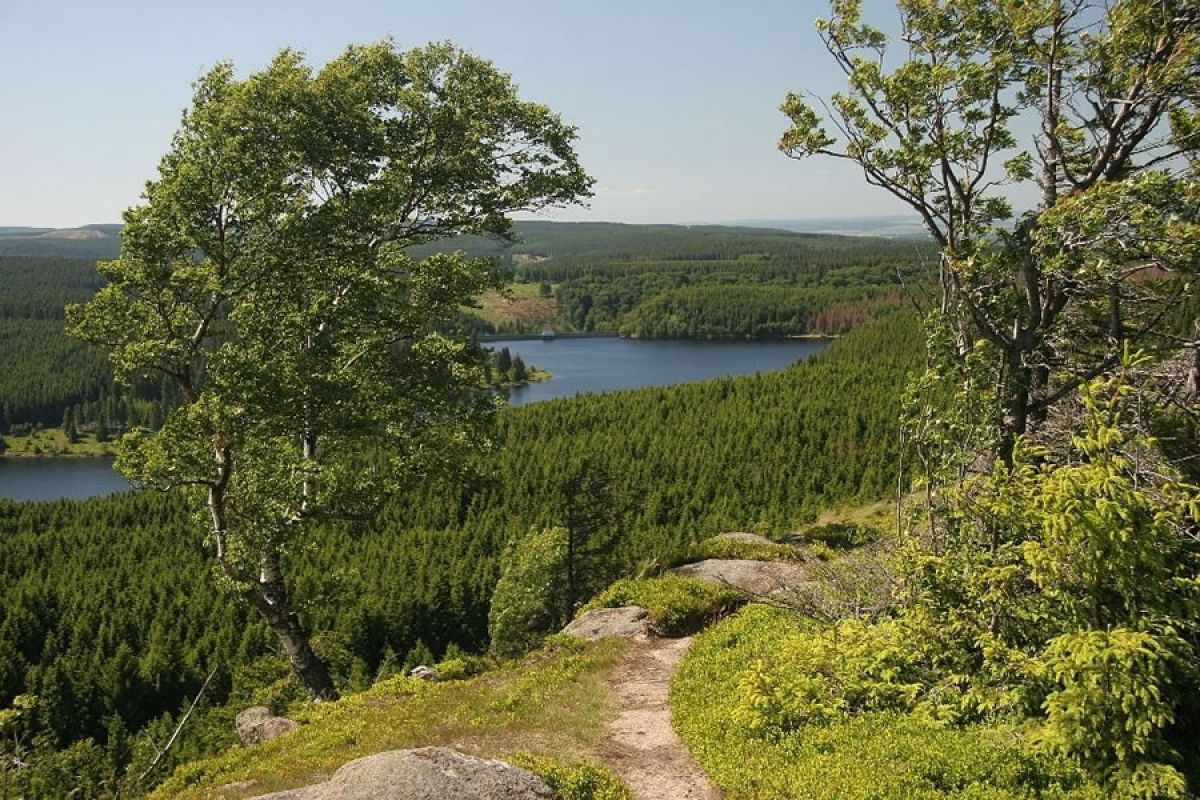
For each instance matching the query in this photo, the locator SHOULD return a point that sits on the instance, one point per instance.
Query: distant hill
(87, 241)
(604, 240)
(890, 226)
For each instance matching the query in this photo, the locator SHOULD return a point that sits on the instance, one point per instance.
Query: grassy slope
(519, 302)
(553, 703)
(53, 442)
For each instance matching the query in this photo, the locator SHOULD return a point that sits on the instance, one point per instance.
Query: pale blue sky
(676, 101)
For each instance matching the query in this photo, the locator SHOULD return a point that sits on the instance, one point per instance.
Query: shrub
(677, 605)
(815, 677)
(839, 535)
(530, 598)
(727, 547)
(460, 667)
(870, 754)
(1112, 704)
(574, 781)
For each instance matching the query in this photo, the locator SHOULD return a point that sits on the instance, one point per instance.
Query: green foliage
(728, 547)
(544, 707)
(578, 781)
(839, 535)
(530, 600)
(871, 754)
(754, 312)
(848, 668)
(1063, 590)
(1112, 703)
(699, 459)
(266, 275)
(1109, 252)
(677, 605)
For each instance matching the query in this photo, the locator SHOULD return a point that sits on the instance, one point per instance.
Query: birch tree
(265, 273)
(1095, 102)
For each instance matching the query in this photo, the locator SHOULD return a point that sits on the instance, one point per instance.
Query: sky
(676, 101)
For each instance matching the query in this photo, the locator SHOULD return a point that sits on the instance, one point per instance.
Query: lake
(54, 478)
(602, 364)
(609, 363)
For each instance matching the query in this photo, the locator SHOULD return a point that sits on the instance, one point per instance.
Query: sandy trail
(640, 745)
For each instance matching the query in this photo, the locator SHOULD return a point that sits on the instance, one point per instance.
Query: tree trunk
(1014, 403)
(270, 598)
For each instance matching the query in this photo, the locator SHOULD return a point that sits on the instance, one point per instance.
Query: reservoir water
(608, 364)
(577, 366)
(54, 478)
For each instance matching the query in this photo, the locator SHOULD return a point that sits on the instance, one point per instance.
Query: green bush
(871, 754)
(814, 677)
(677, 605)
(530, 597)
(573, 781)
(839, 535)
(463, 666)
(724, 547)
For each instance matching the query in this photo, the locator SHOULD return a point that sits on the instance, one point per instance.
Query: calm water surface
(603, 365)
(52, 478)
(578, 365)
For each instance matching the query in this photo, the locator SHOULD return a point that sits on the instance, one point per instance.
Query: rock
(257, 724)
(236, 786)
(762, 578)
(423, 672)
(629, 622)
(428, 773)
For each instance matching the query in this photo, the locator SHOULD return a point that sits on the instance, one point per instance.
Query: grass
(677, 605)
(518, 303)
(50, 442)
(551, 705)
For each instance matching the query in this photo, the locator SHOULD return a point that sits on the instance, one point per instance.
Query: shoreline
(530, 337)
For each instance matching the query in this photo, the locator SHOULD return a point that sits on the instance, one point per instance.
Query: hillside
(677, 464)
(640, 280)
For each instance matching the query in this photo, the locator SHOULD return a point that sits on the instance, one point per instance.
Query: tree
(1111, 89)
(266, 275)
(68, 426)
(530, 599)
(590, 508)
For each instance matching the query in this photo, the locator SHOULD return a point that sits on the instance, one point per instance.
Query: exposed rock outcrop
(627, 622)
(257, 724)
(428, 773)
(762, 578)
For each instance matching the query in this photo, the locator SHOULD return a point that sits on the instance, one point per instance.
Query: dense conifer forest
(649, 281)
(680, 463)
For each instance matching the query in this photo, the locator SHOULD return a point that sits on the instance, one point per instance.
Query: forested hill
(649, 281)
(109, 616)
(538, 240)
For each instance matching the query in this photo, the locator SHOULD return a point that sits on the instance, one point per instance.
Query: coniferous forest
(683, 463)
(979, 501)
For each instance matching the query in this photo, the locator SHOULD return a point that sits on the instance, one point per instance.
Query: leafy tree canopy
(266, 274)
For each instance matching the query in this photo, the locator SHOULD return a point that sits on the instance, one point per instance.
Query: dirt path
(641, 746)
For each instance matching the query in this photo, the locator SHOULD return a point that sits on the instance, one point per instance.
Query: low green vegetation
(731, 547)
(54, 442)
(574, 781)
(764, 699)
(544, 712)
(1041, 644)
(677, 605)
